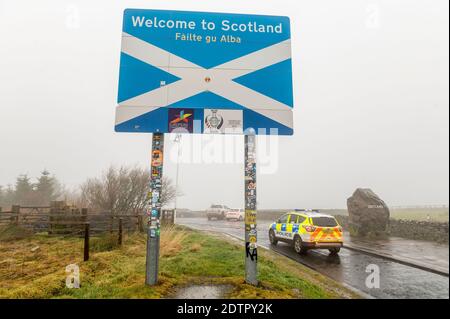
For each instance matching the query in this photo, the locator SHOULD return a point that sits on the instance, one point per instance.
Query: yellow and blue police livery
(307, 229)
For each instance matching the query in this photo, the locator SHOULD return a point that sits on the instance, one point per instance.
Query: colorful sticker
(157, 158)
(250, 217)
(181, 120)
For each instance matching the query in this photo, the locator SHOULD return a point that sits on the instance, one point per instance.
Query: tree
(23, 194)
(123, 190)
(27, 193)
(8, 196)
(47, 189)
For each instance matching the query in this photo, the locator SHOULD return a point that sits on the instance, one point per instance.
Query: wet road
(396, 280)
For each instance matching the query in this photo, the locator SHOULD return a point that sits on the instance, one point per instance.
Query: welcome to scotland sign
(196, 72)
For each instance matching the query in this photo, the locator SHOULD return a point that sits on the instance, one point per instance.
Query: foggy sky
(371, 100)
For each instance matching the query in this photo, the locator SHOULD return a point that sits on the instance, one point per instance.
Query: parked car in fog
(217, 212)
(235, 214)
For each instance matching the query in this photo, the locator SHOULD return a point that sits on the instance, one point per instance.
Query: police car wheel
(298, 246)
(273, 240)
(334, 251)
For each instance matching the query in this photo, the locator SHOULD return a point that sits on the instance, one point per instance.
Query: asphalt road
(396, 280)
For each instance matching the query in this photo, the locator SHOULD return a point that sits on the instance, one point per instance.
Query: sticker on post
(251, 251)
(250, 217)
(157, 158)
(251, 186)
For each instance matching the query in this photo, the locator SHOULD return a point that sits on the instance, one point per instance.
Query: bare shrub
(123, 190)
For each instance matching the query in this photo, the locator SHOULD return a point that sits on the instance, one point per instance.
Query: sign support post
(154, 210)
(178, 141)
(251, 253)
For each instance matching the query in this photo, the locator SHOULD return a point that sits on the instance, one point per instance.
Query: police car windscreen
(324, 221)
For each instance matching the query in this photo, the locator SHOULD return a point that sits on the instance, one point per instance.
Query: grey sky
(371, 100)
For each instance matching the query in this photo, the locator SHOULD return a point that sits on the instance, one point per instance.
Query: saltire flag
(196, 72)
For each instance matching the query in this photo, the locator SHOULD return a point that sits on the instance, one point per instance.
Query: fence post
(138, 228)
(86, 241)
(54, 209)
(139, 224)
(173, 217)
(16, 209)
(163, 217)
(84, 215)
(120, 231)
(111, 224)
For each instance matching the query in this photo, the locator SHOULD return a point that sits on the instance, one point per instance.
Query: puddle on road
(203, 292)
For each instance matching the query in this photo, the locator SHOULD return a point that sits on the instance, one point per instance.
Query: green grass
(421, 214)
(13, 232)
(187, 257)
(105, 243)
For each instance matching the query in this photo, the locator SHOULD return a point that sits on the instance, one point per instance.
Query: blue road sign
(206, 73)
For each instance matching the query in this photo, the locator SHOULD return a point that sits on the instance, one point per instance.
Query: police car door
(292, 226)
(281, 226)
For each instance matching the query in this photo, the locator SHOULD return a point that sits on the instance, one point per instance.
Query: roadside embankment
(35, 267)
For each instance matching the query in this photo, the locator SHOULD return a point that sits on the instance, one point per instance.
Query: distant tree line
(25, 192)
(118, 190)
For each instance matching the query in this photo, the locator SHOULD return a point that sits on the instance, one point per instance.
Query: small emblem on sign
(181, 120)
(214, 121)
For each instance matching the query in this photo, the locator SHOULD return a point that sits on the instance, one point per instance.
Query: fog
(371, 104)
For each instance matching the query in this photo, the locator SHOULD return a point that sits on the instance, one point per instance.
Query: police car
(307, 229)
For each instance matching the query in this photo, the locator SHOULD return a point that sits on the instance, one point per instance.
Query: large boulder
(368, 214)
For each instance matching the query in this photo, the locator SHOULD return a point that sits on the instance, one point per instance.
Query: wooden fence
(60, 219)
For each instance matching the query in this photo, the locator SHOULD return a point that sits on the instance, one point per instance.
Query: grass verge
(35, 268)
